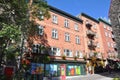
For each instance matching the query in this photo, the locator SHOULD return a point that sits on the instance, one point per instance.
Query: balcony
(92, 45)
(113, 37)
(88, 25)
(90, 33)
(115, 47)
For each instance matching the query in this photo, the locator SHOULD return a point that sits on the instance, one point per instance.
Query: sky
(94, 8)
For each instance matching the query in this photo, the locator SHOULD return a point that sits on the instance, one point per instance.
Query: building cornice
(64, 13)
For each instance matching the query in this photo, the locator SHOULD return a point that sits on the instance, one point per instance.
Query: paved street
(103, 76)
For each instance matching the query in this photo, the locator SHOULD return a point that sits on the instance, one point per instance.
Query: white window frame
(95, 26)
(77, 53)
(40, 30)
(68, 53)
(36, 49)
(111, 29)
(104, 26)
(41, 15)
(109, 35)
(77, 39)
(55, 51)
(108, 28)
(54, 19)
(67, 37)
(108, 43)
(96, 35)
(76, 27)
(66, 23)
(54, 33)
(106, 34)
(112, 45)
(98, 45)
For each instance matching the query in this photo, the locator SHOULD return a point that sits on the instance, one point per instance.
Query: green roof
(106, 22)
(87, 16)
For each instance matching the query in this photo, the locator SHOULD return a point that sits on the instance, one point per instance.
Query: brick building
(70, 43)
(108, 40)
(63, 35)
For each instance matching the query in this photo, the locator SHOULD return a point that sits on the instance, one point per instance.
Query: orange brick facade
(100, 41)
(72, 37)
(108, 40)
(61, 30)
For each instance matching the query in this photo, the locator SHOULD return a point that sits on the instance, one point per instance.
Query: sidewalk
(102, 76)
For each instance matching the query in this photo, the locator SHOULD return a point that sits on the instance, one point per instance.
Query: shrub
(116, 78)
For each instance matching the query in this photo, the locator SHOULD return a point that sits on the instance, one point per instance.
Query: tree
(10, 36)
(17, 23)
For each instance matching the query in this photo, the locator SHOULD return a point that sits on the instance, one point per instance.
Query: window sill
(55, 38)
(55, 23)
(68, 41)
(67, 27)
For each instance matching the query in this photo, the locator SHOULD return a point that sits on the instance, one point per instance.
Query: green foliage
(95, 53)
(39, 9)
(11, 32)
(15, 23)
(75, 57)
(116, 78)
(46, 59)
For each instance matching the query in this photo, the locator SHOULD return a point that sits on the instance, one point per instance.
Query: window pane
(54, 18)
(54, 33)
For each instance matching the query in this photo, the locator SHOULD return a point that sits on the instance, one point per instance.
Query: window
(77, 39)
(104, 26)
(112, 45)
(36, 48)
(52, 69)
(40, 30)
(94, 26)
(98, 45)
(76, 27)
(67, 37)
(81, 55)
(77, 54)
(111, 29)
(55, 51)
(108, 44)
(68, 52)
(41, 15)
(54, 19)
(108, 28)
(96, 35)
(106, 34)
(109, 35)
(54, 33)
(66, 23)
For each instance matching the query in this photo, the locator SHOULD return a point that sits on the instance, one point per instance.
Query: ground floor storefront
(57, 69)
